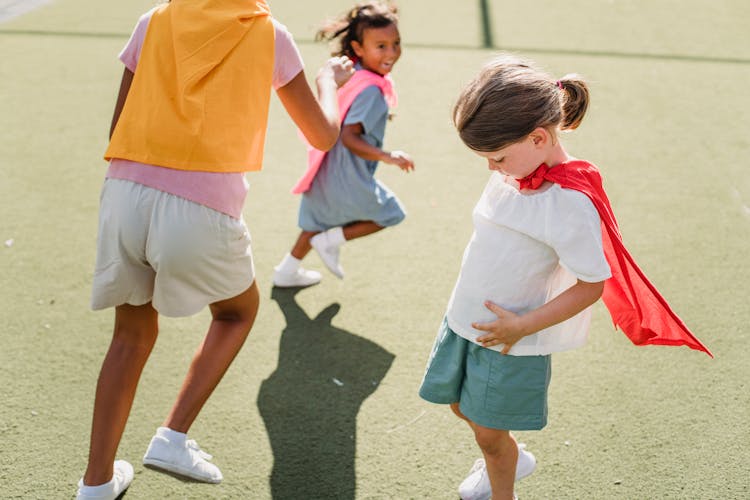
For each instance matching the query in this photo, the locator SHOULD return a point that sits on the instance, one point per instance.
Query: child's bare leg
(232, 320)
(135, 332)
(500, 452)
(302, 246)
(327, 242)
(351, 231)
(360, 228)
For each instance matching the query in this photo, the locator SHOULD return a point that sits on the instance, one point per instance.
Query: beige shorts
(160, 248)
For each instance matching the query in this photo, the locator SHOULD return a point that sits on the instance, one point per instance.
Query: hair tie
(559, 84)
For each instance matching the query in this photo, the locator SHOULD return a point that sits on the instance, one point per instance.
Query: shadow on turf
(310, 403)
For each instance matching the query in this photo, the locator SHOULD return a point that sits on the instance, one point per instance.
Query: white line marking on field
(408, 423)
(14, 8)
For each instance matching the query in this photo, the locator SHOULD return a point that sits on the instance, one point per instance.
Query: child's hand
(506, 329)
(339, 69)
(401, 160)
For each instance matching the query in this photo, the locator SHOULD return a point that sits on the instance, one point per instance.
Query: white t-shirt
(526, 249)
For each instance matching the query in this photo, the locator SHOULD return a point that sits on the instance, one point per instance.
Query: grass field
(668, 127)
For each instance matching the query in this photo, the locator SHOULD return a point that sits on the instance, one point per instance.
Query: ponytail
(575, 101)
(510, 98)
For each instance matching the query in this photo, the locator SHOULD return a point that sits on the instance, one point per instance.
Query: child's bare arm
(318, 119)
(351, 137)
(127, 79)
(509, 328)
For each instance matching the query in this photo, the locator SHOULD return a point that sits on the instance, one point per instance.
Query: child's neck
(557, 155)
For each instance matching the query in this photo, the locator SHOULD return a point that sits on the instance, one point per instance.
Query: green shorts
(493, 390)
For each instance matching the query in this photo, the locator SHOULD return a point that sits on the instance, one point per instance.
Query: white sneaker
(476, 486)
(302, 277)
(328, 251)
(172, 452)
(121, 478)
(526, 462)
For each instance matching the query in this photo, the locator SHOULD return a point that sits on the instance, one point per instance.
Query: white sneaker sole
(294, 285)
(282, 283)
(178, 471)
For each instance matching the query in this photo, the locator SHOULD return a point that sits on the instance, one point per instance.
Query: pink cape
(346, 95)
(633, 302)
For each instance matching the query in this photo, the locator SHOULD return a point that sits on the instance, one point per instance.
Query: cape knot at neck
(535, 179)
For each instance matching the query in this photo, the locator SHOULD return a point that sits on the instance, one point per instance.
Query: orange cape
(200, 95)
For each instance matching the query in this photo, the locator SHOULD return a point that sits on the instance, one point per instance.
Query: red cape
(634, 303)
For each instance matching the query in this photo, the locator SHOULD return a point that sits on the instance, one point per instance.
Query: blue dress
(345, 189)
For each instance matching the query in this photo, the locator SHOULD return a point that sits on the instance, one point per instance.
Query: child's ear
(357, 48)
(540, 137)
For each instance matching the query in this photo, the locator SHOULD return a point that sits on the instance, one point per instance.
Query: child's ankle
(336, 236)
(289, 264)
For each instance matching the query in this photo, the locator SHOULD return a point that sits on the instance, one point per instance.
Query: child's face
(380, 49)
(517, 160)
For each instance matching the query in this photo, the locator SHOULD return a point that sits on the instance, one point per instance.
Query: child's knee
(240, 310)
(306, 236)
(136, 327)
(238, 320)
(132, 345)
(494, 442)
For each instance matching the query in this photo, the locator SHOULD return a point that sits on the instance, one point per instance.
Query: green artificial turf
(668, 126)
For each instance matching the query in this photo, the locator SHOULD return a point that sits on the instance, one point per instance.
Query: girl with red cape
(545, 247)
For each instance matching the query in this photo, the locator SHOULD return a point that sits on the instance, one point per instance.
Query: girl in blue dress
(343, 200)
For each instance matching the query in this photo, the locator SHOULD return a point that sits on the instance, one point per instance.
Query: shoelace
(193, 445)
(478, 464)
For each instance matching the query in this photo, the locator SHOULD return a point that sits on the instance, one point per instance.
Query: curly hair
(350, 26)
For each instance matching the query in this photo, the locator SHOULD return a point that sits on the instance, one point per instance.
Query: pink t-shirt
(224, 192)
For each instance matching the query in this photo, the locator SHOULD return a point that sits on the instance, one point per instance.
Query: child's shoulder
(144, 19)
(370, 96)
(150, 12)
(573, 204)
(551, 196)
(370, 92)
